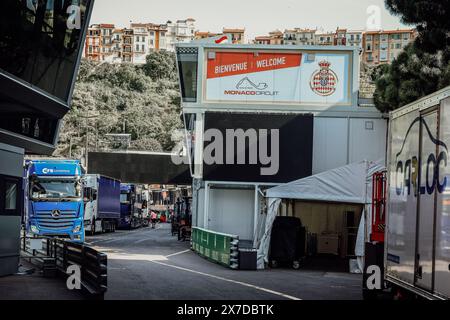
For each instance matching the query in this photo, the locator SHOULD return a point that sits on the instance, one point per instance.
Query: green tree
(412, 75)
(423, 67)
(160, 65)
(431, 18)
(127, 100)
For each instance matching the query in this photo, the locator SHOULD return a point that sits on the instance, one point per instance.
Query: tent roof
(345, 184)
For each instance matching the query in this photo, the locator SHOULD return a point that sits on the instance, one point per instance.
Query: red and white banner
(254, 76)
(230, 63)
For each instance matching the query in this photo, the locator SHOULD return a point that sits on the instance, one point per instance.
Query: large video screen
(248, 147)
(40, 42)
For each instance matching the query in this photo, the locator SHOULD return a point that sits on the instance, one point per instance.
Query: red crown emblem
(324, 64)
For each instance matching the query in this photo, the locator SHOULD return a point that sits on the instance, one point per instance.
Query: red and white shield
(324, 81)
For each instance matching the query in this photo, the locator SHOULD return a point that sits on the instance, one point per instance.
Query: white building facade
(181, 31)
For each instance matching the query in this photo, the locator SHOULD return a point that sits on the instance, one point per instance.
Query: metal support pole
(255, 217)
(86, 146)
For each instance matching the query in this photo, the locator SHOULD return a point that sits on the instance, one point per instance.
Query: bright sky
(258, 17)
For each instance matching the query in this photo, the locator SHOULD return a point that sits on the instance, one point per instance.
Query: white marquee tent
(351, 184)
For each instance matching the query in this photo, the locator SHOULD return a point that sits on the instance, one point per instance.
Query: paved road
(151, 264)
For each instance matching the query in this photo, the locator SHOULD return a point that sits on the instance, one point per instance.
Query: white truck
(145, 203)
(417, 243)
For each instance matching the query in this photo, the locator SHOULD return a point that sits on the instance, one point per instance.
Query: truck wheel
(296, 265)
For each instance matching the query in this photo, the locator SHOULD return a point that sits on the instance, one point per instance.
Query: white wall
(366, 144)
(341, 141)
(199, 220)
(232, 211)
(330, 143)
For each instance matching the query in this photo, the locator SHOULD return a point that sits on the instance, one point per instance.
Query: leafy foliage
(423, 67)
(160, 65)
(412, 75)
(430, 18)
(142, 101)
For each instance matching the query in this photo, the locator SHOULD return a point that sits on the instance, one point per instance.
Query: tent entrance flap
(350, 184)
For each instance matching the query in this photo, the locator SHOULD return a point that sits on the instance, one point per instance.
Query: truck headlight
(76, 229)
(34, 229)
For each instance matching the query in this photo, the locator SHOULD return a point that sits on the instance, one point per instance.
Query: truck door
(427, 201)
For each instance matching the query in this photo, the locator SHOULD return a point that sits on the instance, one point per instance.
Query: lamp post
(86, 147)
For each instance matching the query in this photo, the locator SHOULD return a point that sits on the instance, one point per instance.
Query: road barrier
(55, 256)
(218, 247)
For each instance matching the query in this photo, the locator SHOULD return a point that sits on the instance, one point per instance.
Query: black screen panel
(295, 147)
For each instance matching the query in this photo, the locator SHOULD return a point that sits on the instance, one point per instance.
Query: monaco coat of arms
(324, 81)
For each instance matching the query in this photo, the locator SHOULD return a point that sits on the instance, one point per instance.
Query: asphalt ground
(151, 264)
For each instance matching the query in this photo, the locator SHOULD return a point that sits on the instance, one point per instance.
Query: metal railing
(56, 255)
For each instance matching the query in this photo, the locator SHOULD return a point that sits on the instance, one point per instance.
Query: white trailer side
(417, 248)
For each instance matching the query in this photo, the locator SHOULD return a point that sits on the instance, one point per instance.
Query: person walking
(153, 217)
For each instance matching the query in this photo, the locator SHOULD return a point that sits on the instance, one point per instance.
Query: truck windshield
(55, 189)
(124, 198)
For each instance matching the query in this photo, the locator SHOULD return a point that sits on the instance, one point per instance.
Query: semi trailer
(409, 241)
(144, 205)
(102, 209)
(53, 199)
(130, 213)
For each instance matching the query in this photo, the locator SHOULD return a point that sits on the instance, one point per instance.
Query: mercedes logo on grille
(56, 214)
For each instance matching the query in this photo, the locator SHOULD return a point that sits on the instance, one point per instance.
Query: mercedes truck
(53, 195)
(102, 209)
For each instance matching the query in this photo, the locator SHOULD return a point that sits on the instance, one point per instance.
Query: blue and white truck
(102, 209)
(53, 198)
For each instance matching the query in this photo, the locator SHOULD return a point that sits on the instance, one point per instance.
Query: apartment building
(345, 37)
(376, 47)
(141, 42)
(117, 40)
(340, 38)
(181, 31)
(237, 35)
(354, 38)
(92, 44)
(106, 43)
(275, 38)
(127, 45)
(384, 46)
(299, 36)
(99, 44)
(158, 36)
(205, 34)
(324, 39)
